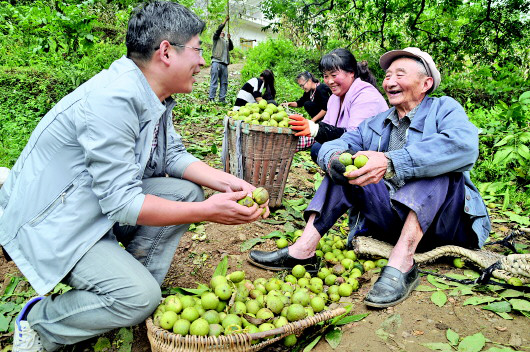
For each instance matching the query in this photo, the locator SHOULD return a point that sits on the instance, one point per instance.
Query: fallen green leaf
(473, 343)
(505, 316)
(125, 338)
(436, 282)
(471, 274)
(222, 267)
(312, 344)
(102, 345)
(4, 323)
(439, 298)
(452, 337)
(351, 318)
(248, 244)
(520, 304)
(499, 307)
(334, 337)
(438, 346)
(476, 300)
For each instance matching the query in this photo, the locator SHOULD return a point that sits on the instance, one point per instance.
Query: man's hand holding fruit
(358, 168)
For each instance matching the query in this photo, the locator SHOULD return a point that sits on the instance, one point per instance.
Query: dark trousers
(312, 108)
(315, 148)
(438, 203)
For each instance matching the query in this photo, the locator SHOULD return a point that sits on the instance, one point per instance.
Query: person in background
(256, 89)
(315, 97)
(415, 189)
(220, 60)
(105, 168)
(355, 98)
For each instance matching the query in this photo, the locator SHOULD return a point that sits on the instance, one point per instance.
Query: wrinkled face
(304, 84)
(405, 85)
(185, 64)
(222, 34)
(339, 81)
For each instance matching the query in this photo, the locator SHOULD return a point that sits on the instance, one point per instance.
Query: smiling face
(185, 63)
(304, 84)
(339, 81)
(406, 85)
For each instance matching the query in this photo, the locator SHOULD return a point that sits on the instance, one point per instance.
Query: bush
(26, 94)
(286, 61)
(485, 85)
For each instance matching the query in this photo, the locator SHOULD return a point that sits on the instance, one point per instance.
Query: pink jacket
(362, 101)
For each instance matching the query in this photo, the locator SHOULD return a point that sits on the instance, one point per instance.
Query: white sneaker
(25, 338)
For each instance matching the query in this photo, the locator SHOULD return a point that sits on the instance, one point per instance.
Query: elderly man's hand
(372, 172)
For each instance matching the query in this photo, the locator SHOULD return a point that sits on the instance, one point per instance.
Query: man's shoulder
(443, 100)
(441, 105)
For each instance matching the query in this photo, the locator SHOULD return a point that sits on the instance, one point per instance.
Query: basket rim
(288, 329)
(247, 127)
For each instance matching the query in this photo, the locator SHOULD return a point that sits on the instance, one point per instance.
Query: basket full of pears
(262, 113)
(259, 147)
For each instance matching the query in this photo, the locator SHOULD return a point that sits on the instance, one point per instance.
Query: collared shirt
(361, 101)
(91, 152)
(398, 138)
(440, 140)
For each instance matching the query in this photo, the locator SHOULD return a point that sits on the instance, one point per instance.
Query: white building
(246, 23)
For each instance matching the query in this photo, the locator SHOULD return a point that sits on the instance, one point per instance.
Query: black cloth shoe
(392, 287)
(281, 260)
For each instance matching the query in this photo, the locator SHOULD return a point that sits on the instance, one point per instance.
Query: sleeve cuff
(313, 128)
(389, 168)
(179, 167)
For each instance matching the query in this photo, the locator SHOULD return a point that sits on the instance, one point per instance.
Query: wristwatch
(389, 168)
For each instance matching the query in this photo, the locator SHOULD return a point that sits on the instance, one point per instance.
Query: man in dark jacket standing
(220, 61)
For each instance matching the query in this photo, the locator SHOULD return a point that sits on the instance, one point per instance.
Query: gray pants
(218, 75)
(113, 287)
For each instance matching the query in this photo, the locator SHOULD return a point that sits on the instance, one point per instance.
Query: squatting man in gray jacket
(414, 191)
(104, 166)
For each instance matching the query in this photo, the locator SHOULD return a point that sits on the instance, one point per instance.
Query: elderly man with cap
(414, 191)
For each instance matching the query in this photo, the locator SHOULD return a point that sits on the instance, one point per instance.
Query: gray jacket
(441, 139)
(82, 169)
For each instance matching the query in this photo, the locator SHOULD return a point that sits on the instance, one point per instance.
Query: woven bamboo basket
(165, 341)
(267, 153)
(513, 265)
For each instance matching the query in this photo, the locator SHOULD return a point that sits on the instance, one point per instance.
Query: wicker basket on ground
(165, 341)
(261, 155)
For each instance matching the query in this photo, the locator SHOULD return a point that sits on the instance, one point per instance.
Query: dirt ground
(405, 327)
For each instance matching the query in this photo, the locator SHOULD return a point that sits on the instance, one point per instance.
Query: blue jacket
(441, 139)
(82, 169)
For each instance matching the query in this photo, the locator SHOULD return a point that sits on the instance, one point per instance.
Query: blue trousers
(115, 287)
(315, 148)
(218, 75)
(438, 203)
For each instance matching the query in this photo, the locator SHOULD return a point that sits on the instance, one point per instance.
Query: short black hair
(153, 22)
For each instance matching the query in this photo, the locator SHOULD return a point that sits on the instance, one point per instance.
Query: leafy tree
(481, 31)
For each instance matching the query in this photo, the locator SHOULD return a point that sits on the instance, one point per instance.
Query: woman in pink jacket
(355, 98)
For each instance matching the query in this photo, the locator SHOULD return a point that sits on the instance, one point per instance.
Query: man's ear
(163, 52)
(427, 84)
